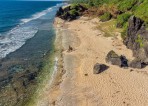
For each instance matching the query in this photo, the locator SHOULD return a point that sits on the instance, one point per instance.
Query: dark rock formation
(98, 68)
(115, 59)
(137, 41)
(137, 64)
(59, 12)
(124, 61)
(71, 12)
(136, 27)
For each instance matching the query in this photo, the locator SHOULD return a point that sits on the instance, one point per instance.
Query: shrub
(126, 5)
(122, 19)
(113, 9)
(73, 12)
(124, 32)
(73, 6)
(105, 17)
(91, 4)
(142, 11)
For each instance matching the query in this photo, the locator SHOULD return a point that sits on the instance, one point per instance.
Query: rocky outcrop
(71, 12)
(98, 68)
(115, 59)
(136, 27)
(137, 41)
(137, 64)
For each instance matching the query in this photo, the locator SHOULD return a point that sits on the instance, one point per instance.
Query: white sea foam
(17, 37)
(40, 14)
(14, 39)
(36, 16)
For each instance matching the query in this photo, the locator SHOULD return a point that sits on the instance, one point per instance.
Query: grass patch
(122, 19)
(142, 11)
(109, 28)
(126, 5)
(124, 32)
(73, 12)
(105, 17)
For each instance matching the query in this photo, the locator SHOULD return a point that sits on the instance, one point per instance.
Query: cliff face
(137, 39)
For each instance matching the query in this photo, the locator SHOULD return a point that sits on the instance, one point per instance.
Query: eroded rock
(98, 68)
(115, 59)
(137, 41)
(137, 64)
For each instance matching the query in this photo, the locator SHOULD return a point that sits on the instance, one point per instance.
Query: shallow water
(23, 51)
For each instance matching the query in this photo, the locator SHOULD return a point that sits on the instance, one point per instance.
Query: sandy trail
(79, 86)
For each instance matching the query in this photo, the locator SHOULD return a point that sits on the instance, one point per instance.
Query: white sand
(113, 87)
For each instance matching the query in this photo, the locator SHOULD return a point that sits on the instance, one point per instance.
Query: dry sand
(78, 86)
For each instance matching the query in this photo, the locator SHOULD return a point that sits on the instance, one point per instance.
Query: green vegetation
(108, 28)
(73, 12)
(124, 32)
(73, 6)
(105, 17)
(121, 10)
(122, 19)
(140, 41)
(126, 5)
(138, 7)
(142, 11)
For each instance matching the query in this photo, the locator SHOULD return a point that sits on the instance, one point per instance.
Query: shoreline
(76, 85)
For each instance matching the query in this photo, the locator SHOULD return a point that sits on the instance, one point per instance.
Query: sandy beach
(76, 85)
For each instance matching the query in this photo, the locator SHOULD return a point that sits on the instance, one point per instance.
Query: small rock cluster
(115, 59)
(137, 41)
(122, 61)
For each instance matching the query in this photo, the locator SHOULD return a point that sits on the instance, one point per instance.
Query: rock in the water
(115, 59)
(136, 64)
(98, 68)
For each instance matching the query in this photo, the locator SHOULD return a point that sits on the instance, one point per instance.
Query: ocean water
(20, 21)
(26, 42)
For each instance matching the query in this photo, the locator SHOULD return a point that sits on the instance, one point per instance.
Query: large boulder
(137, 37)
(136, 27)
(98, 68)
(137, 41)
(137, 64)
(115, 59)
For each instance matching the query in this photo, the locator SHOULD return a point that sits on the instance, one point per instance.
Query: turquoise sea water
(26, 39)
(20, 21)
